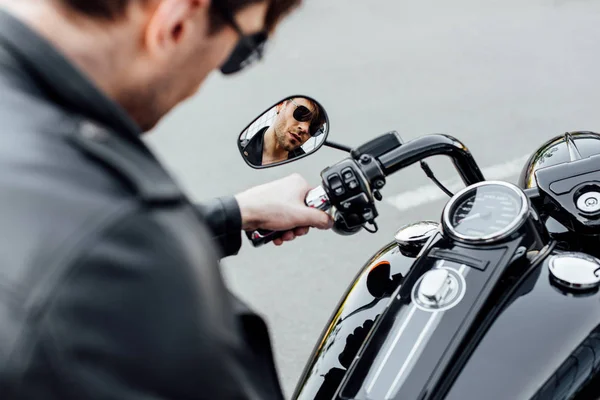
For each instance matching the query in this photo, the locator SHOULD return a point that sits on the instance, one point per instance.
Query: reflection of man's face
(289, 132)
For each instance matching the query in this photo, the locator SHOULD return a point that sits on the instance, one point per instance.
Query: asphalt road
(501, 75)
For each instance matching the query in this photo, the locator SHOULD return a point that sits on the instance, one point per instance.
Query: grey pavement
(501, 75)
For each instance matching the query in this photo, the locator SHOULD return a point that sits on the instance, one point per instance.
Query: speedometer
(486, 212)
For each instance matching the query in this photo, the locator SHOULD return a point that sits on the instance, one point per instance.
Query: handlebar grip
(316, 198)
(261, 237)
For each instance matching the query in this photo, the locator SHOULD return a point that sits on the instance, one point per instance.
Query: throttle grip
(316, 198)
(261, 237)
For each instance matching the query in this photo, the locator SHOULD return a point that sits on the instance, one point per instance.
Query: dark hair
(104, 9)
(114, 9)
(318, 118)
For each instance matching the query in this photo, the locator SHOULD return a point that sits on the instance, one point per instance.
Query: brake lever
(316, 198)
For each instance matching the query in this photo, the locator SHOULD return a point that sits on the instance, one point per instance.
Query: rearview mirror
(290, 130)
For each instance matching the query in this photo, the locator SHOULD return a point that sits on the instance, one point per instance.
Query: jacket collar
(39, 63)
(254, 149)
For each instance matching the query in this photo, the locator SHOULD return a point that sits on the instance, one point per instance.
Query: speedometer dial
(486, 211)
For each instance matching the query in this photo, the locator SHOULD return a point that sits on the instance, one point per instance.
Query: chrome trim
(574, 153)
(373, 377)
(317, 198)
(425, 334)
(412, 237)
(436, 315)
(496, 236)
(574, 270)
(412, 309)
(435, 286)
(387, 356)
(593, 206)
(457, 283)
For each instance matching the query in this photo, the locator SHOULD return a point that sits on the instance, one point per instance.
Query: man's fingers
(316, 218)
(288, 236)
(291, 235)
(301, 231)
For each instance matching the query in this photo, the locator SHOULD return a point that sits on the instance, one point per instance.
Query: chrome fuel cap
(412, 237)
(436, 285)
(589, 202)
(438, 289)
(575, 270)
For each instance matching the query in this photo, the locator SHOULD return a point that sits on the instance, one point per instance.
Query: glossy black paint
(412, 350)
(543, 343)
(366, 298)
(527, 344)
(433, 145)
(382, 144)
(560, 163)
(556, 151)
(562, 184)
(574, 372)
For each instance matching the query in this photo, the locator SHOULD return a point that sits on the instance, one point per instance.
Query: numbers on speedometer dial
(486, 211)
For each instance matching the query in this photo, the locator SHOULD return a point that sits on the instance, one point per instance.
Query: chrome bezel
(511, 228)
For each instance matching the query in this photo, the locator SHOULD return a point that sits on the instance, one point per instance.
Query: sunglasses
(248, 50)
(303, 114)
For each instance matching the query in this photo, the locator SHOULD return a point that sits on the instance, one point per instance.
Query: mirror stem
(337, 146)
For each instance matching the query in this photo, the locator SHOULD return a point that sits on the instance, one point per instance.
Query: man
(109, 282)
(296, 120)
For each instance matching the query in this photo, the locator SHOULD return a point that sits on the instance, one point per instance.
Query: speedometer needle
(473, 216)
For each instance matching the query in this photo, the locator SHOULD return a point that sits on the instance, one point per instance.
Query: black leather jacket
(110, 285)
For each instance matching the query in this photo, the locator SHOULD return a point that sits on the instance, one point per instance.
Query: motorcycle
(499, 299)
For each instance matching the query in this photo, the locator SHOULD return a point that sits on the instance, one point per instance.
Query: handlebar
(433, 145)
(391, 157)
(316, 198)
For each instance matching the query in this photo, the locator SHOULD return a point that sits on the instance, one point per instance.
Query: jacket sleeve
(140, 318)
(224, 219)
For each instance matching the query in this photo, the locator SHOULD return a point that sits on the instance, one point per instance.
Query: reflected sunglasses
(248, 50)
(303, 114)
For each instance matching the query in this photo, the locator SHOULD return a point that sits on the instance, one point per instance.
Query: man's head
(296, 121)
(161, 50)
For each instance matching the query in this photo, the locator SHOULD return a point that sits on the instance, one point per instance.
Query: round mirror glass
(290, 130)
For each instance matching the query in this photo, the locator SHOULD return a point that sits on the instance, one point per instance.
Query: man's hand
(280, 206)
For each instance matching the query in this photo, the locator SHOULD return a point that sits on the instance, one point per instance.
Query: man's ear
(170, 22)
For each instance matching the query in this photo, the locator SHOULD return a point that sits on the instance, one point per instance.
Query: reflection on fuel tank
(356, 314)
(574, 372)
(334, 377)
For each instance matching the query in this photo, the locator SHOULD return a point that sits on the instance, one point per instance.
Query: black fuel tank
(545, 345)
(361, 305)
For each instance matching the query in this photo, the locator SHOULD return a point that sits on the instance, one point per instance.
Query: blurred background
(503, 76)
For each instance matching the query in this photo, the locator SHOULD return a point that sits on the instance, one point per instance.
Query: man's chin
(292, 146)
(146, 115)
(148, 125)
(152, 119)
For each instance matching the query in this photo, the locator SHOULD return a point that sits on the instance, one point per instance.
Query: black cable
(337, 146)
(430, 175)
